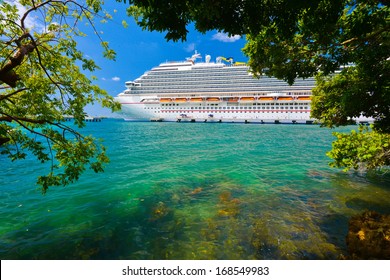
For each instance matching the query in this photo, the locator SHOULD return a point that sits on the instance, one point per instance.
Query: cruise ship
(220, 91)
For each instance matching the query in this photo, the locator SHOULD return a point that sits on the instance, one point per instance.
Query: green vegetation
(361, 150)
(42, 79)
(291, 39)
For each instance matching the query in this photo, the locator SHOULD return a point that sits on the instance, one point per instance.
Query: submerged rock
(159, 211)
(196, 191)
(229, 207)
(369, 236)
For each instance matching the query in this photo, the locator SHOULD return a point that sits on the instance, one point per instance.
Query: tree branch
(7, 73)
(6, 96)
(9, 118)
(20, 121)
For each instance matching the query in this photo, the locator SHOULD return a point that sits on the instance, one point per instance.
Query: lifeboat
(304, 98)
(247, 99)
(212, 99)
(196, 99)
(285, 98)
(180, 99)
(266, 98)
(165, 100)
(232, 99)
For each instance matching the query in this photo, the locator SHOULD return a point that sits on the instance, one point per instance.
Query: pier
(191, 119)
(181, 119)
(86, 118)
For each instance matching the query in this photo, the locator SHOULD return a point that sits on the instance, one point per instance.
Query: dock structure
(191, 119)
(93, 119)
(69, 118)
(157, 119)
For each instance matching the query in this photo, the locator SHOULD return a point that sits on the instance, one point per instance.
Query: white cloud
(116, 79)
(32, 20)
(223, 37)
(190, 47)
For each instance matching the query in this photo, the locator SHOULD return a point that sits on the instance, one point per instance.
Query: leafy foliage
(293, 38)
(360, 150)
(42, 80)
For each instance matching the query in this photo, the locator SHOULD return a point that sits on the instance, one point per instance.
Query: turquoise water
(191, 191)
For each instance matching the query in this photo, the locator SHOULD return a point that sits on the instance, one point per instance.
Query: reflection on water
(193, 191)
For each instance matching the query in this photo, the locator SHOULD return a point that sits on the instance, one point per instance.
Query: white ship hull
(215, 92)
(143, 108)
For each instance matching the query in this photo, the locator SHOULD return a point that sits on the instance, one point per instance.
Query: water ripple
(191, 191)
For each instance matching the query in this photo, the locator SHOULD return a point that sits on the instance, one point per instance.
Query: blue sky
(139, 51)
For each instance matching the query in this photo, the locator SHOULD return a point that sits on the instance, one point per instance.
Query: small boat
(305, 98)
(165, 100)
(180, 99)
(232, 99)
(196, 99)
(266, 98)
(285, 98)
(247, 99)
(185, 118)
(211, 118)
(213, 99)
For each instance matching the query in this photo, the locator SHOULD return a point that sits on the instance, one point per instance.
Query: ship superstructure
(220, 91)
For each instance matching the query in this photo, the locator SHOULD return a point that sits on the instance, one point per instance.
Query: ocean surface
(191, 191)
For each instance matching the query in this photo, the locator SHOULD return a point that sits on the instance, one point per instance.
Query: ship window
(224, 108)
(272, 108)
